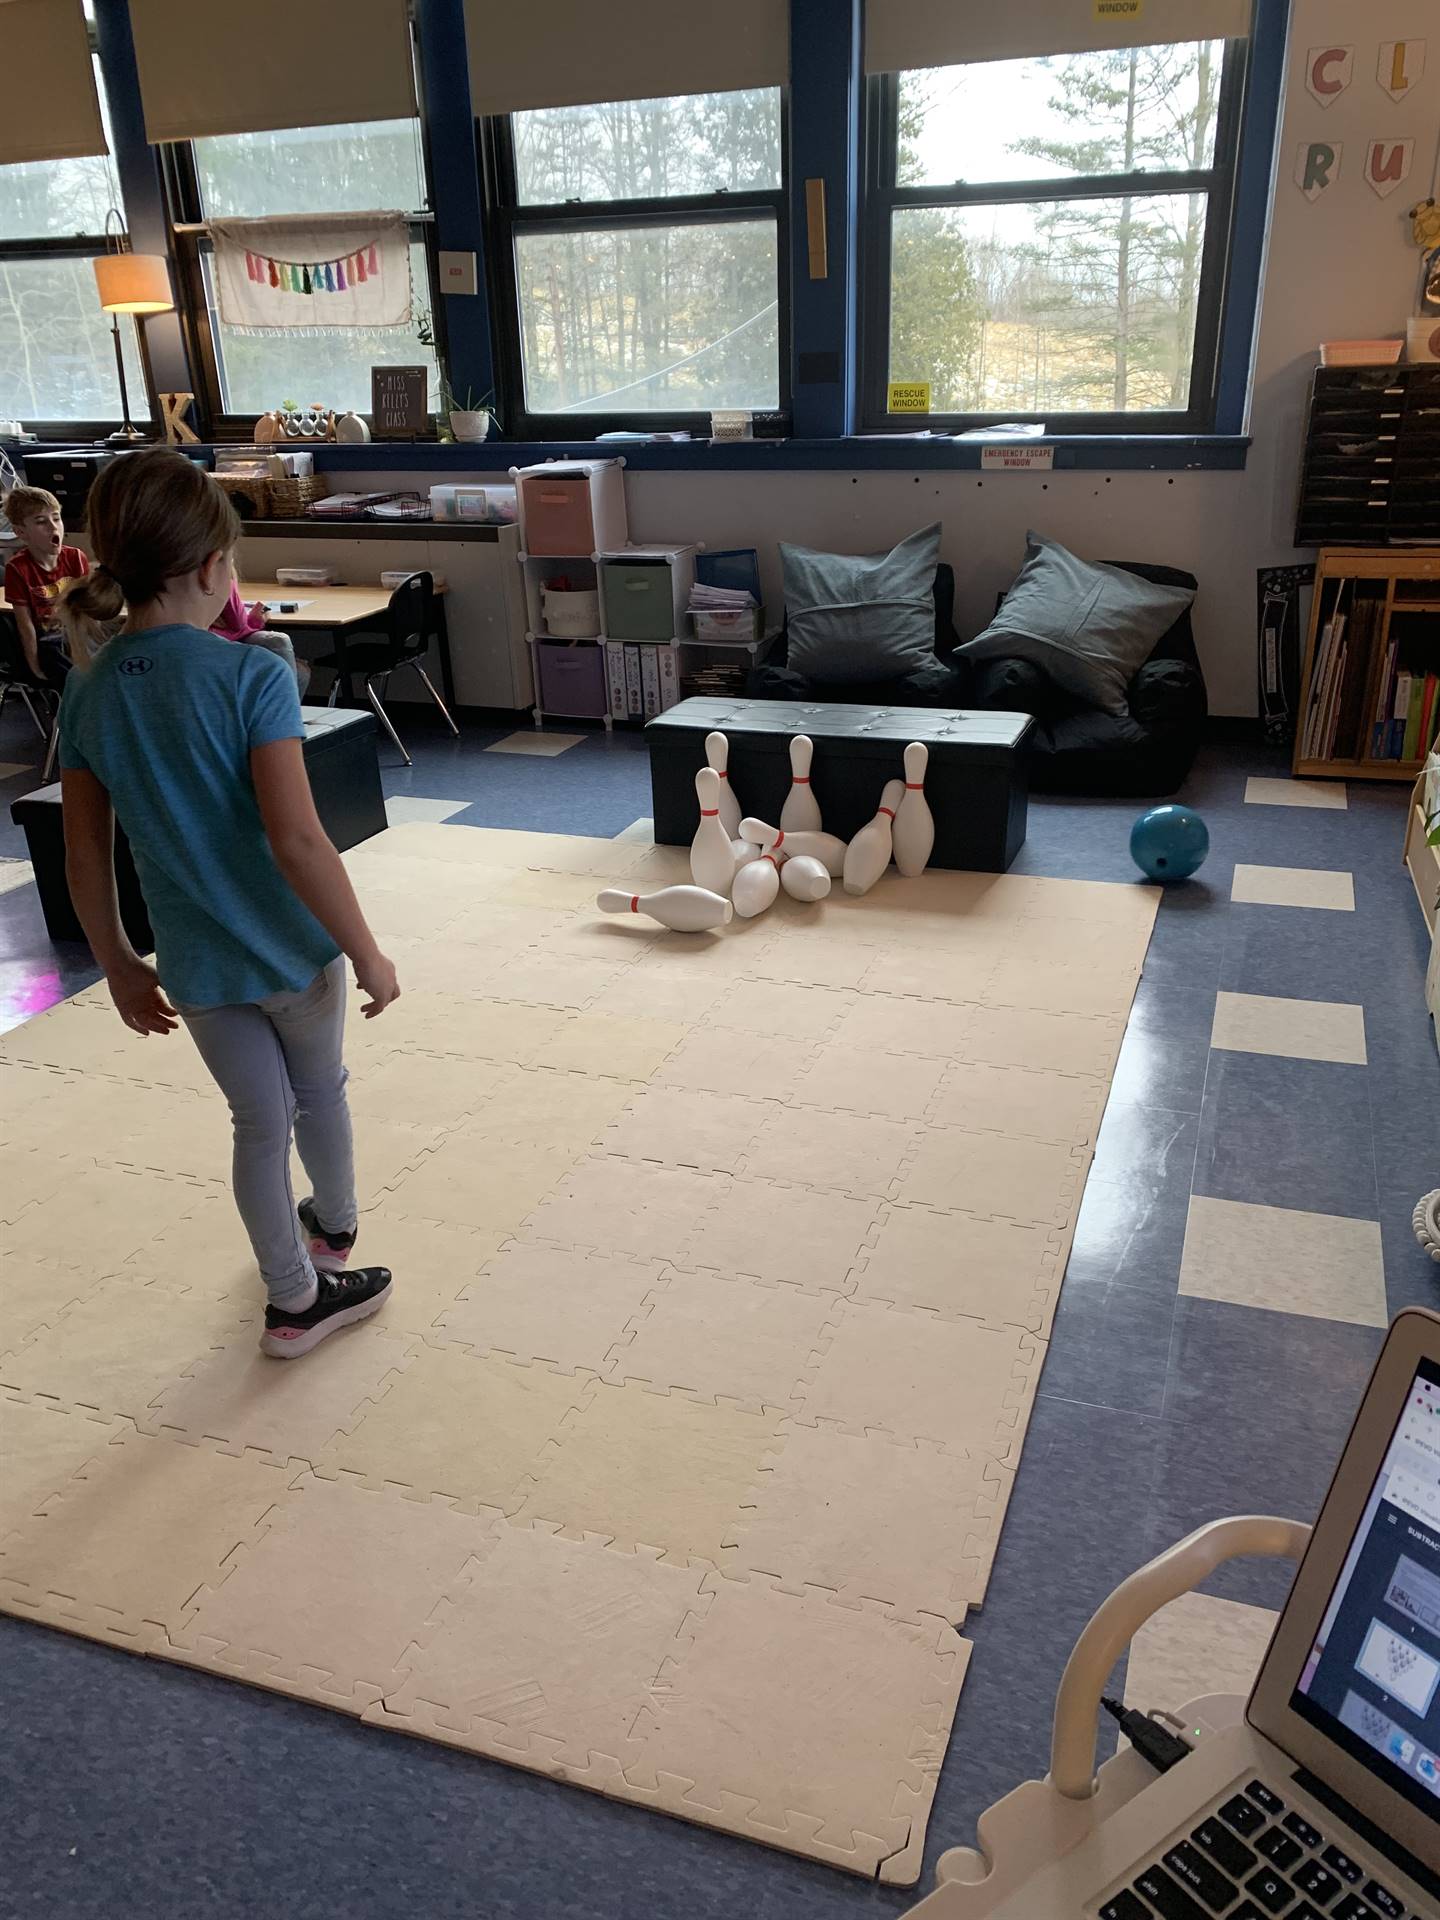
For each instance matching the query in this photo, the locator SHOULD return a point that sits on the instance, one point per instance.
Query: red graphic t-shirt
(37, 588)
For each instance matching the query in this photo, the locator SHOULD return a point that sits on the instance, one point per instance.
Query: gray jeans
(278, 1062)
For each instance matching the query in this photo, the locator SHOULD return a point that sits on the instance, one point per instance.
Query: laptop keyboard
(1253, 1859)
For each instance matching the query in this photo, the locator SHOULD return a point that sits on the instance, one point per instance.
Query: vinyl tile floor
(1244, 1234)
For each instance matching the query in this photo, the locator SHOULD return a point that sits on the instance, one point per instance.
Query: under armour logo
(137, 663)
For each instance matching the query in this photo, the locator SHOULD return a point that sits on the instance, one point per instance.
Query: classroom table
(336, 611)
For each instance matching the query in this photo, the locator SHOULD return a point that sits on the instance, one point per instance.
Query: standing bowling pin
(868, 854)
(914, 824)
(687, 909)
(712, 858)
(804, 877)
(717, 753)
(824, 847)
(801, 812)
(745, 851)
(756, 885)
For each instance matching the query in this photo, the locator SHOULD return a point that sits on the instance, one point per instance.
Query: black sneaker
(343, 1299)
(329, 1252)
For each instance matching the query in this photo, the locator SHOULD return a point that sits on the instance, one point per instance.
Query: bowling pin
(717, 753)
(914, 823)
(804, 877)
(756, 885)
(745, 851)
(823, 847)
(868, 854)
(688, 909)
(712, 858)
(801, 812)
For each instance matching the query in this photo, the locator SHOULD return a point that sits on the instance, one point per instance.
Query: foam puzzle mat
(725, 1266)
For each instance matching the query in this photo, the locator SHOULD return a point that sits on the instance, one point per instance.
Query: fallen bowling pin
(686, 909)
(868, 854)
(756, 885)
(824, 847)
(712, 858)
(717, 753)
(804, 877)
(801, 812)
(914, 823)
(745, 851)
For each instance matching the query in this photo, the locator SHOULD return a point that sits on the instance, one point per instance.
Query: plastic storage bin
(487, 506)
(572, 680)
(572, 615)
(639, 600)
(571, 507)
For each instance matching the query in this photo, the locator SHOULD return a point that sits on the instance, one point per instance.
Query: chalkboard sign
(399, 409)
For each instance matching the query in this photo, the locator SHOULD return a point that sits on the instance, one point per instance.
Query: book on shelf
(1322, 675)
(615, 679)
(1384, 702)
(1410, 750)
(634, 695)
(650, 682)
(1399, 710)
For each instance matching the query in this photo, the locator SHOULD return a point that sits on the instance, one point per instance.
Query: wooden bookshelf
(1378, 590)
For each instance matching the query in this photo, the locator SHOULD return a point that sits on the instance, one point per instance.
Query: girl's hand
(135, 989)
(375, 977)
(259, 613)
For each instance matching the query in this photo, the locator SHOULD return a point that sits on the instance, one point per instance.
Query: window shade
(944, 33)
(247, 66)
(50, 110)
(579, 52)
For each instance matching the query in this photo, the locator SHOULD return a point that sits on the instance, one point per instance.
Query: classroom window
(1046, 238)
(639, 264)
(333, 169)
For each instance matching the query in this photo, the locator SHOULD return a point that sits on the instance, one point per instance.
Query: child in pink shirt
(236, 621)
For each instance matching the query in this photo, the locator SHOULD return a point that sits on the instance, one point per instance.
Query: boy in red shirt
(34, 577)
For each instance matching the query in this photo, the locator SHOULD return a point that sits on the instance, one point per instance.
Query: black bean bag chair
(1073, 748)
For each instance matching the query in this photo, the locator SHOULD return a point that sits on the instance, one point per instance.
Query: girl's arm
(305, 856)
(90, 870)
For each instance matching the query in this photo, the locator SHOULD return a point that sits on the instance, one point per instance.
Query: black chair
(405, 641)
(16, 677)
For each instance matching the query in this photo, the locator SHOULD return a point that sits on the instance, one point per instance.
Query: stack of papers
(703, 598)
(346, 506)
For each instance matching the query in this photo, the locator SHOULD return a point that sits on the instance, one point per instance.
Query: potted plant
(470, 421)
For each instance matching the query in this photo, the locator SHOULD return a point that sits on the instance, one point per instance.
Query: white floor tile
(1293, 887)
(640, 831)
(1198, 1644)
(1321, 1264)
(1296, 1029)
(545, 745)
(401, 809)
(1261, 791)
(15, 873)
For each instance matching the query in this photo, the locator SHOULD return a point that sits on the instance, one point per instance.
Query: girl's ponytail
(88, 610)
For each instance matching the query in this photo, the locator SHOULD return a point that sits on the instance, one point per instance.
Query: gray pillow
(854, 617)
(1090, 627)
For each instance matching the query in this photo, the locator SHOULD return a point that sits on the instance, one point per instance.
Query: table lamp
(137, 283)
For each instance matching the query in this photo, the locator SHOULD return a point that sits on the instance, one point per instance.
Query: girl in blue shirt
(194, 745)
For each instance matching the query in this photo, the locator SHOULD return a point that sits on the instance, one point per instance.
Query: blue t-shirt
(165, 721)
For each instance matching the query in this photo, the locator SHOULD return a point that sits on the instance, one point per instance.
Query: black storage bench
(344, 770)
(975, 783)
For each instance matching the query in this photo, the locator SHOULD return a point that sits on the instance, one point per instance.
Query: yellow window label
(908, 396)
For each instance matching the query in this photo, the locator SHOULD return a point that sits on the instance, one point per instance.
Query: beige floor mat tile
(423, 913)
(118, 1347)
(203, 1251)
(773, 1232)
(1042, 940)
(868, 1519)
(758, 1065)
(33, 1295)
(894, 1086)
(781, 1009)
(1321, 887)
(41, 1446)
(456, 1425)
(1084, 1044)
(959, 977)
(1197, 1645)
(545, 1655)
(1295, 1029)
(444, 1090)
(551, 1109)
(385, 1152)
(478, 1029)
(550, 1304)
(88, 1038)
(1321, 1264)
(963, 1267)
(240, 1401)
(913, 1376)
(747, 1341)
(819, 960)
(115, 1123)
(679, 1127)
(931, 1028)
(753, 1733)
(849, 1152)
(583, 934)
(617, 1047)
(482, 1182)
(29, 1095)
(650, 1469)
(432, 1265)
(444, 966)
(1033, 1181)
(629, 1207)
(123, 1550)
(553, 981)
(650, 994)
(1050, 985)
(320, 1546)
(1024, 1101)
(90, 1218)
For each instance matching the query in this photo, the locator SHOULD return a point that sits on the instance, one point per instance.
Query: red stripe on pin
(914, 786)
(773, 861)
(889, 811)
(634, 903)
(709, 813)
(779, 839)
(801, 779)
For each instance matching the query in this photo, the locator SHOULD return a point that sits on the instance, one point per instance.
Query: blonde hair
(151, 517)
(23, 503)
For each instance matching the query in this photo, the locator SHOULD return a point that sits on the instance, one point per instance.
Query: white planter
(470, 426)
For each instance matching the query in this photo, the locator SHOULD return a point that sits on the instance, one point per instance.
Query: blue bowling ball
(1169, 843)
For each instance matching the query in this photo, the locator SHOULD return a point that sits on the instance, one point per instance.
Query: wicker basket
(249, 494)
(289, 498)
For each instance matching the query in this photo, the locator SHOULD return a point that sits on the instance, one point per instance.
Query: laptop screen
(1371, 1681)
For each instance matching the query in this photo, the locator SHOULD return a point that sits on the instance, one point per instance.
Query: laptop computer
(1323, 1803)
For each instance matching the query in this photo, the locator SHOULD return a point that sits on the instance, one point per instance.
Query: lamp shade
(133, 283)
